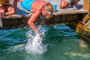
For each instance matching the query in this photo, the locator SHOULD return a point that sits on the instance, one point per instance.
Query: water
(59, 42)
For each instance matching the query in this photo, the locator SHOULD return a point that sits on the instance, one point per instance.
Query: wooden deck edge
(57, 13)
(15, 16)
(71, 12)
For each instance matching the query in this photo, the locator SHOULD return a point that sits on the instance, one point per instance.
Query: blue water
(60, 42)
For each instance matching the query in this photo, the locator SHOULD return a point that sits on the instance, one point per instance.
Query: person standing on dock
(37, 7)
(65, 3)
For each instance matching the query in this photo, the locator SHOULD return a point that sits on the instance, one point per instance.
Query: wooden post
(81, 29)
(86, 7)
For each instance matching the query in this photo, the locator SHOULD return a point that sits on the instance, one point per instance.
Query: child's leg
(63, 4)
(76, 1)
(2, 10)
(8, 8)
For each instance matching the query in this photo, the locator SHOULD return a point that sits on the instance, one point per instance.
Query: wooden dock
(60, 11)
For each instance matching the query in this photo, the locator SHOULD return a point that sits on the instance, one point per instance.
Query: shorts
(26, 4)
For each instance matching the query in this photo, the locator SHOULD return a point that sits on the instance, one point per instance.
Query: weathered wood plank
(68, 12)
(15, 16)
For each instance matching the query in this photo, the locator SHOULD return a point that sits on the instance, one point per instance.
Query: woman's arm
(33, 18)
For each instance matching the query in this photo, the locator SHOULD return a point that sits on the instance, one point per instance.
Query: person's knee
(64, 4)
(1, 10)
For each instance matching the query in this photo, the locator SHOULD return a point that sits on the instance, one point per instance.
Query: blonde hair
(49, 8)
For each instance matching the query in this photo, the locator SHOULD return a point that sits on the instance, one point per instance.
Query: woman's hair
(49, 8)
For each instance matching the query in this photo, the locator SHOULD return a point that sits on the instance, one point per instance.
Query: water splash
(34, 44)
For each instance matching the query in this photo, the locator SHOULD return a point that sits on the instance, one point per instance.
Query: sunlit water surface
(57, 42)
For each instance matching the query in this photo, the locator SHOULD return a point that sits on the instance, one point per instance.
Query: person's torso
(37, 4)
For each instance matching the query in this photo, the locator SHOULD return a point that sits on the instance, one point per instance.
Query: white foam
(34, 44)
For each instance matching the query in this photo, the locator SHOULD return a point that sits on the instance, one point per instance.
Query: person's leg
(76, 1)
(72, 3)
(63, 4)
(2, 10)
(75, 4)
(8, 8)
